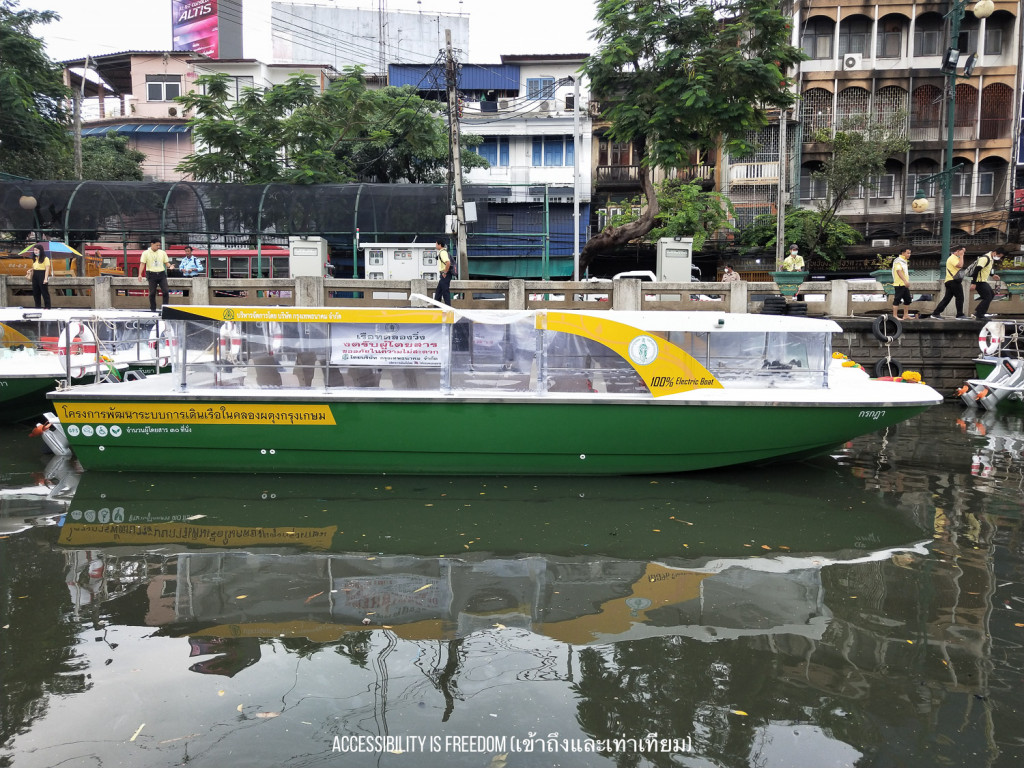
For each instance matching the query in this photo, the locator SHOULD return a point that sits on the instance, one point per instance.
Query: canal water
(863, 609)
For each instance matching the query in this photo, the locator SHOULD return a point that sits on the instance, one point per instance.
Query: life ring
(887, 328)
(990, 340)
(888, 367)
(163, 344)
(78, 337)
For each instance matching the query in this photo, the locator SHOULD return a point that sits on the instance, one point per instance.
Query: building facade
(880, 63)
(525, 110)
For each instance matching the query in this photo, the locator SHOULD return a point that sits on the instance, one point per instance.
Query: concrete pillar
(3, 290)
(839, 299)
(421, 287)
(738, 296)
(516, 294)
(309, 291)
(199, 293)
(102, 292)
(626, 295)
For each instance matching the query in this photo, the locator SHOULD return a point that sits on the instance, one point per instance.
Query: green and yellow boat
(437, 391)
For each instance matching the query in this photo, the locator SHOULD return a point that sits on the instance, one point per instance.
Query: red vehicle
(235, 263)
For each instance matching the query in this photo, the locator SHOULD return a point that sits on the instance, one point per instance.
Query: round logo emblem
(101, 431)
(229, 314)
(115, 431)
(73, 430)
(643, 350)
(87, 430)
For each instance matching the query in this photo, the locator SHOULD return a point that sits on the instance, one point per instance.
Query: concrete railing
(835, 298)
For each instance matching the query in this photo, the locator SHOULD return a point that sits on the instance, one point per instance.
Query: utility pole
(576, 178)
(455, 147)
(780, 222)
(77, 110)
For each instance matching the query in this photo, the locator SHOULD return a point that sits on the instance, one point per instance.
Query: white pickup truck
(644, 276)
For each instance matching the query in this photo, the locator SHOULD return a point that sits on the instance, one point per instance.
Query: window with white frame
(913, 185)
(993, 41)
(853, 36)
(552, 151)
(961, 184)
(927, 42)
(494, 150)
(986, 183)
(890, 44)
(817, 38)
(811, 187)
(163, 87)
(540, 87)
(236, 86)
(605, 215)
(884, 186)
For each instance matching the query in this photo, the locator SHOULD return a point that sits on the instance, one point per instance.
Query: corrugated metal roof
(472, 77)
(103, 130)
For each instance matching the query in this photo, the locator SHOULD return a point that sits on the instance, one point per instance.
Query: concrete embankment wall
(942, 351)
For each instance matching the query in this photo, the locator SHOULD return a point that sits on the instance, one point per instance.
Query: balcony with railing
(617, 176)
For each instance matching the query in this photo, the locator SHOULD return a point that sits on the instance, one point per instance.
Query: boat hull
(458, 437)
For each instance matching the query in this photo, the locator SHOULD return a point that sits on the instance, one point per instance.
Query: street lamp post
(982, 10)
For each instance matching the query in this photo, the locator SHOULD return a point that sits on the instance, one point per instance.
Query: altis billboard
(194, 26)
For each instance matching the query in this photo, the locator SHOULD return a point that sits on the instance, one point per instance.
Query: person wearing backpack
(953, 285)
(444, 265)
(981, 277)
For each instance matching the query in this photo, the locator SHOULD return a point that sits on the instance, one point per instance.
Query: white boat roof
(649, 321)
(63, 315)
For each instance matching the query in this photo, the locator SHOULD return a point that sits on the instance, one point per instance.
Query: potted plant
(1013, 275)
(883, 273)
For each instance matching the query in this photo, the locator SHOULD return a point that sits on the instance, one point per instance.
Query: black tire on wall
(888, 368)
(886, 328)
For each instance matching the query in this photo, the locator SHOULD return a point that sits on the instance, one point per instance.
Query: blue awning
(472, 77)
(128, 128)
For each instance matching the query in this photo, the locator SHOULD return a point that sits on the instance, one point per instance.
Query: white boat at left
(45, 349)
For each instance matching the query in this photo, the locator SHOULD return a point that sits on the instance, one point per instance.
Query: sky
(97, 27)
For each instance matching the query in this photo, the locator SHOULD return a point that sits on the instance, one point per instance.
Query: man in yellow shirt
(794, 262)
(901, 281)
(444, 265)
(954, 286)
(983, 274)
(153, 266)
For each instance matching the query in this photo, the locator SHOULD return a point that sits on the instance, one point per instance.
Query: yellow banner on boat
(305, 415)
(311, 315)
(80, 535)
(665, 368)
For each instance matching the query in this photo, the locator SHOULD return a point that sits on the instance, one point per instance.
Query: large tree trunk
(610, 238)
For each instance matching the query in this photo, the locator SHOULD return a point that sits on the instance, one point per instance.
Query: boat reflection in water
(36, 494)
(431, 559)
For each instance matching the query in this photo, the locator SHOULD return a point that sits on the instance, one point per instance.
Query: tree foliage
(111, 158)
(688, 210)
(295, 133)
(807, 227)
(679, 76)
(33, 116)
(685, 209)
(857, 160)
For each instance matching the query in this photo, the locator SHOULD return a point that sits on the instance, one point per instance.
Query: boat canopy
(501, 352)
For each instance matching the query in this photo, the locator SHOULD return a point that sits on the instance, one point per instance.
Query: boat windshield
(434, 350)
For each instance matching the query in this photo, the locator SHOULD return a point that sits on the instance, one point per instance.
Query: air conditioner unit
(881, 243)
(544, 106)
(172, 111)
(502, 103)
(853, 61)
